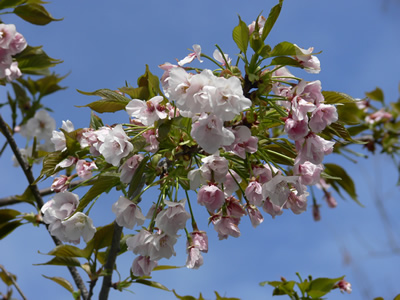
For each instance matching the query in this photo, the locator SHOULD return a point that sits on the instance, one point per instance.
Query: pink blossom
(255, 216)
(296, 130)
(40, 126)
(143, 265)
(310, 173)
(151, 140)
(378, 116)
(58, 138)
(316, 213)
(313, 149)
(210, 134)
(300, 108)
(12, 72)
(194, 259)
(84, 168)
(173, 218)
(309, 62)
(161, 245)
(215, 168)
(60, 184)
(7, 34)
(243, 143)
(344, 286)
(226, 226)
(195, 54)
(79, 225)
(18, 44)
(60, 207)
(128, 214)
(261, 24)
(140, 243)
(200, 240)
(323, 116)
(254, 193)
(277, 189)
(129, 167)
(296, 203)
(231, 183)
(147, 111)
(116, 146)
(271, 208)
(218, 57)
(196, 179)
(211, 197)
(67, 162)
(264, 173)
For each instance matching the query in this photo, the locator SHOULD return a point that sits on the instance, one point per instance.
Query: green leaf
(49, 164)
(33, 60)
(62, 261)
(339, 130)
(102, 184)
(27, 197)
(285, 61)
(67, 251)
(95, 121)
(397, 297)
(152, 284)
(102, 238)
(111, 101)
(303, 286)
(61, 281)
(10, 3)
(346, 183)
(164, 128)
(354, 130)
(321, 286)
(332, 97)
(349, 113)
(49, 84)
(6, 279)
(34, 13)
(380, 298)
(8, 214)
(151, 82)
(7, 228)
(165, 267)
(272, 17)
(240, 35)
(376, 95)
(283, 48)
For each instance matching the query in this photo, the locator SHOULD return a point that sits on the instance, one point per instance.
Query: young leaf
(103, 184)
(321, 286)
(152, 284)
(62, 261)
(272, 17)
(34, 13)
(7, 228)
(376, 95)
(102, 238)
(283, 48)
(95, 121)
(10, 3)
(61, 281)
(285, 61)
(111, 101)
(67, 251)
(164, 267)
(332, 97)
(346, 183)
(7, 215)
(33, 60)
(224, 298)
(240, 35)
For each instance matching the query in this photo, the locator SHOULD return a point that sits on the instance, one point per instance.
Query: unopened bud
(316, 214)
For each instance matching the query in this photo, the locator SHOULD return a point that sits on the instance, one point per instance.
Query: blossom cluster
(11, 43)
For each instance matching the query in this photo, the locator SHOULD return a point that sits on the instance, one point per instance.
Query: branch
(35, 191)
(44, 192)
(114, 249)
(13, 282)
(109, 266)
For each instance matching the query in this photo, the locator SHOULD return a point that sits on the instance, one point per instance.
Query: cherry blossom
(173, 218)
(116, 145)
(195, 54)
(84, 168)
(129, 167)
(211, 197)
(128, 214)
(147, 111)
(143, 265)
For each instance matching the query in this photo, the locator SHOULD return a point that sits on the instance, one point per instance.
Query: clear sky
(105, 43)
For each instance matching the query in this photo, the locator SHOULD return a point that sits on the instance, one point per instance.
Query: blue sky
(103, 45)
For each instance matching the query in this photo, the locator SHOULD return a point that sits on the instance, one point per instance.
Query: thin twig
(35, 191)
(44, 192)
(13, 282)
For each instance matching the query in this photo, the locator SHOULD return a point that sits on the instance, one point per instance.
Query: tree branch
(35, 191)
(109, 266)
(44, 192)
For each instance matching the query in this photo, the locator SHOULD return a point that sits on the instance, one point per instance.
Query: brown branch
(109, 266)
(44, 192)
(35, 191)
